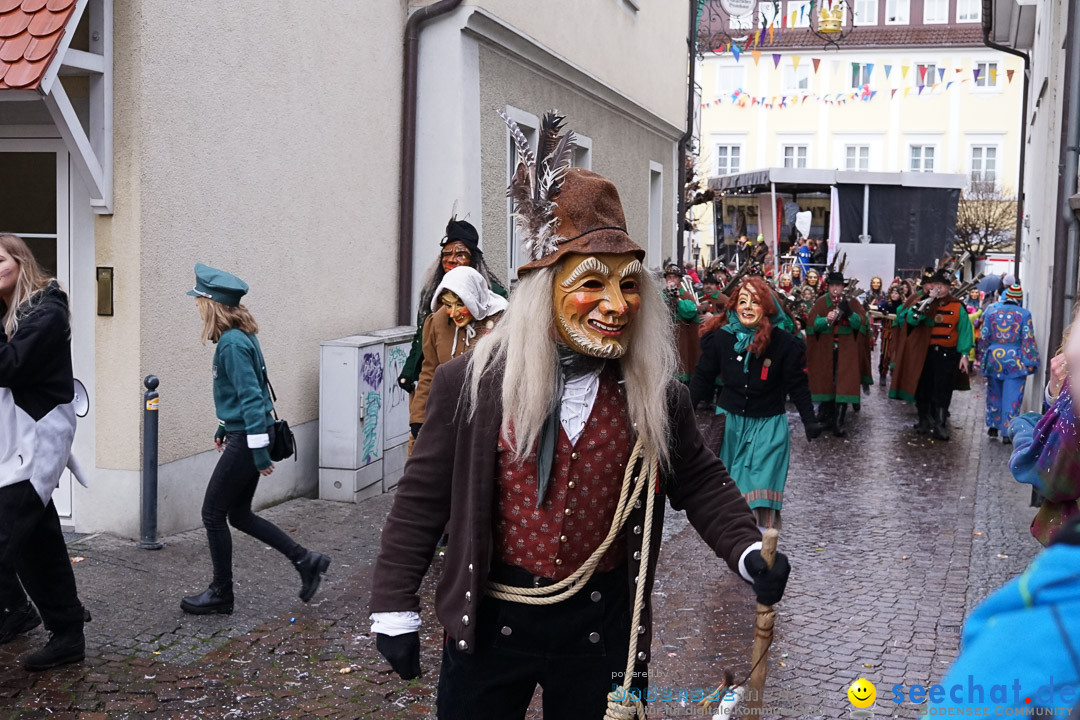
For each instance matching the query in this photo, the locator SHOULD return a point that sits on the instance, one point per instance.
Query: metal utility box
(363, 414)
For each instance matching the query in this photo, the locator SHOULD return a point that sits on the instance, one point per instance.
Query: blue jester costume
(1008, 354)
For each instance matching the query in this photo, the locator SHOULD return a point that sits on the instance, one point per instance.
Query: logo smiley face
(862, 693)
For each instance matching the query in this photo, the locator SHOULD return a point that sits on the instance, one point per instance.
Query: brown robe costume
(910, 345)
(438, 344)
(843, 386)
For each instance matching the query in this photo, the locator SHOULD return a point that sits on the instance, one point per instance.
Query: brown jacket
(450, 481)
(438, 344)
(820, 340)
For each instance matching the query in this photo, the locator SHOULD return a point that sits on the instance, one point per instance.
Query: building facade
(137, 139)
(909, 88)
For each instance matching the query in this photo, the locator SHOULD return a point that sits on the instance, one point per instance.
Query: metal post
(775, 233)
(865, 214)
(148, 512)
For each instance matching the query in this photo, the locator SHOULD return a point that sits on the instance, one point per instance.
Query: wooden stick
(763, 630)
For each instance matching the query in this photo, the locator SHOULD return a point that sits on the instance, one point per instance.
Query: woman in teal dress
(759, 365)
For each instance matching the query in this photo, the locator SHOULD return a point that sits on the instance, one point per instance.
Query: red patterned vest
(554, 540)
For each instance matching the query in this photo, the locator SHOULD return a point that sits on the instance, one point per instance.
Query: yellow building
(895, 97)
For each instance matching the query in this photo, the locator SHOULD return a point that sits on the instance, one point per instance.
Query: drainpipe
(1066, 232)
(408, 153)
(684, 141)
(987, 22)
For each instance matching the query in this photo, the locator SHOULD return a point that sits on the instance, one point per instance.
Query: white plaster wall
(642, 52)
(264, 142)
(1044, 141)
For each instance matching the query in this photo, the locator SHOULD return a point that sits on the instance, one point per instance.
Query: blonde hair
(523, 346)
(32, 279)
(218, 318)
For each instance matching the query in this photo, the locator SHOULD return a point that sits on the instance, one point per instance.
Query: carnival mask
(875, 283)
(749, 308)
(456, 309)
(835, 291)
(812, 278)
(454, 254)
(596, 298)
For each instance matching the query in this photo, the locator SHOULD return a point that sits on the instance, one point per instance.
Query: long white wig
(523, 346)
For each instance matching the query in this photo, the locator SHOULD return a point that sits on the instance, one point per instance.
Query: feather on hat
(560, 209)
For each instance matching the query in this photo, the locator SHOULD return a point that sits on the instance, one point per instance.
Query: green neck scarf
(743, 337)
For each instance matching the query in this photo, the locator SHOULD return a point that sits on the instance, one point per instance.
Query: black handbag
(283, 444)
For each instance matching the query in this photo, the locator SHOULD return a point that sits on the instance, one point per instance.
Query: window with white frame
(968, 10)
(728, 159)
(866, 12)
(856, 157)
(984, 163)
(796, 78)
(729, 79)
(897, 12)
(795, 156)
(926, 74)
(798, 12)
(860, 75)
(935, 11)
(922, 158)
(987, 74)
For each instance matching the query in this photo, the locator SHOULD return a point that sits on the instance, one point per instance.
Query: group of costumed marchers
(548, 453)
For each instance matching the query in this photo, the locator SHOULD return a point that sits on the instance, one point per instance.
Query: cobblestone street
(892, 538)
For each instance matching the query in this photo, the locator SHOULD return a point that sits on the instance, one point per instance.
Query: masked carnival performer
(758, 366)
(713, 302)
(888, 307)
(813, 281)
(460, 246)
(936, 341)
(1008, 354)
(684, 309)
(553, 471)
(470, 308)
(834, 354)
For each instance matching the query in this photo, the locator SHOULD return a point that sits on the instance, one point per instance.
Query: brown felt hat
(588, 220)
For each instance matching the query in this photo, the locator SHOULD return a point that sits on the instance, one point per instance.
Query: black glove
(769, 582)
(402, 652)
(406, 384)
(414, 428)
(813, 430)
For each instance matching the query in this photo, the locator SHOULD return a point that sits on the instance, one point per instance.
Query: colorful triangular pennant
(795, 62)
(941, 73)
(756, 54)
(817, 63)
(888, 69)
(904, 71)
(1010, 74)
(776, 60)
(736, 52)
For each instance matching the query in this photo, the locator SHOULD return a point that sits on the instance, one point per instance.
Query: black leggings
(228, 497)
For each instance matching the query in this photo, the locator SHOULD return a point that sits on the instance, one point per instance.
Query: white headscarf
(474, 291)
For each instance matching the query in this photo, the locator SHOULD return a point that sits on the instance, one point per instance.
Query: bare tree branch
(985, 219)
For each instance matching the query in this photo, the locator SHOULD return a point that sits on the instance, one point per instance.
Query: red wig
(768, 308)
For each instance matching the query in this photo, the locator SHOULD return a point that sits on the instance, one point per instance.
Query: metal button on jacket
(558, 561)
(571, 484)
(637, 504)
(575, 455)
(640, 629)
(637, 554)
(462, 645)
(465, 620)
(642, 656)
(506, 630)
(594, 637)
(568, 512)
(562, 538)
(468, 596)
(637, 529)
(595, 597)
(470, 567)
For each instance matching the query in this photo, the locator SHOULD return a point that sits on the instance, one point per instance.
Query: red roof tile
(30, 34)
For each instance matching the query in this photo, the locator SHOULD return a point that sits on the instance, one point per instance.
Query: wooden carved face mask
(749, 308)
(596, 298)
(456, 309)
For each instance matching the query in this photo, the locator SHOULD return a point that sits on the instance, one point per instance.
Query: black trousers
(228, 502)
(575, 650)
(32, 545)
(938, 379)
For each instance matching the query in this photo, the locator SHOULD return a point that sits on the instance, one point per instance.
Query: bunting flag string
(757, 55)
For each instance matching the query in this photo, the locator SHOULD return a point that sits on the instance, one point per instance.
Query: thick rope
(620, 705)
(569, 586)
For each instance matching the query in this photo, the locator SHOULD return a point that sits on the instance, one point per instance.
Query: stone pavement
(880, 528)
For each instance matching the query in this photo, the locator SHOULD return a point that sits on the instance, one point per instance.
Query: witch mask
(749, 308)
(596, 298)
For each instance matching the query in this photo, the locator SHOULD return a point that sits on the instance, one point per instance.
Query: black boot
(923, 426)
(18, 621)
(213, 600)
(63, 648)
(311, 568)
(838, 427)
(940, 429)
(992, 432)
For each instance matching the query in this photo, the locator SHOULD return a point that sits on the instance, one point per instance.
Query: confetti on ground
(77, 559)
(1002, 557)
(977, 532)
